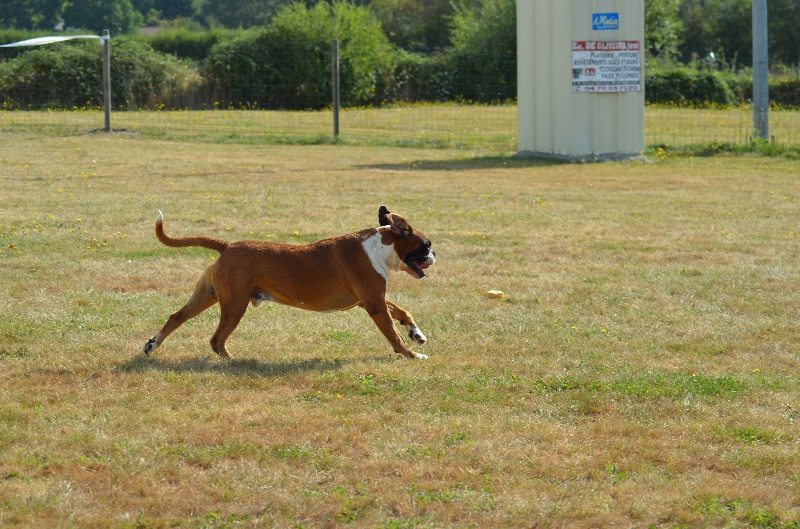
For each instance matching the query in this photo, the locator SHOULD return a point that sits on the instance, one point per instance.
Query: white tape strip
(48, 40)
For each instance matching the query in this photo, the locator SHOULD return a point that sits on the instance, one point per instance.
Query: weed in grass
(653, 385)
(758, 147)
(206, 456)
(615, 473)
(338, 336)
(291, 452)
(217, 520)
(366, 385)
(396, 523)
(456, 438)
(674, 385)
(764, 517)
(754, 435)
(419, 452)
(729, 512)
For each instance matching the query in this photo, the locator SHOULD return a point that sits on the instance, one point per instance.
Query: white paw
(150, 346)
(415, 334)
(420, 356)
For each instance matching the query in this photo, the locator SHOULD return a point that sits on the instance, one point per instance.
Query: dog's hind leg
(231, 312)
(404, 317)
(202, 298)
(233, 293)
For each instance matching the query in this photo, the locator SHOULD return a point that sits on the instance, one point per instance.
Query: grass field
(491, 128)
(641, 371)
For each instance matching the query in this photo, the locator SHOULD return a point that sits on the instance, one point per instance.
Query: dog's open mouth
(415, 268)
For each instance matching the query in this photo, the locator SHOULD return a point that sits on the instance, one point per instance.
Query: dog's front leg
(379, 312)
(406, 320)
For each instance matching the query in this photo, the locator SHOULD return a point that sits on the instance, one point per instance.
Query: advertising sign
(606, 67)
(605, 21)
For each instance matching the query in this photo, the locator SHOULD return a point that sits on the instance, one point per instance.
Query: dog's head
(411, 245)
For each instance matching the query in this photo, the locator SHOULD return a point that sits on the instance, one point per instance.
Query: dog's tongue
(422, 266)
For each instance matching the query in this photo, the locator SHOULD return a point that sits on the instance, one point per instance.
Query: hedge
(187, 44)
(703, 88)
(419, 78)
(685, 86)
(69, 75)
(784, 93)
(288, 64)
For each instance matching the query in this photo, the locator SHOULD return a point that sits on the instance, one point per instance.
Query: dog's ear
(399, 225)
(382, 219)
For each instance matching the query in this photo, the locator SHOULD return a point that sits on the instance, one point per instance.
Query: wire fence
(258, 101)
(689, 126)
(489, 127)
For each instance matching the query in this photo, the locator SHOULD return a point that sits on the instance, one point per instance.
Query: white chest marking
(382, 256)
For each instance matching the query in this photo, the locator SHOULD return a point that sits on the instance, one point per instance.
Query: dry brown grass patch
(641, 370)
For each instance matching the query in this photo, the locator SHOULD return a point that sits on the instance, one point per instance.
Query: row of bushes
(287, 66)
(70, 76)
(687, 86)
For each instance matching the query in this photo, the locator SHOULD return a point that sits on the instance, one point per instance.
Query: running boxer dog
(328, 275)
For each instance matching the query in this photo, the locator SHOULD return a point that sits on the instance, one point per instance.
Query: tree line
(717, 31)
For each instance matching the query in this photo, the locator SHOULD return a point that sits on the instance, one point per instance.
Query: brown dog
(328, 275)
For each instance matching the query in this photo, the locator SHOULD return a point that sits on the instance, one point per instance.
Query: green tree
(723, 27)
(238, 13)
(165, 9)
(30, 14)
(415, 25)
(662, 28)
(783, 18)
(733, 35)
(118, 16)
(170, 9)
(287, 64)
(697, 30)
(484, 51)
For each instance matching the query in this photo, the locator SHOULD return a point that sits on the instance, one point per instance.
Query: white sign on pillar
(580, 78)
(599, 66)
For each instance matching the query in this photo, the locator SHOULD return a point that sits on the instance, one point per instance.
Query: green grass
(641, 370)
(493, 129)
(713, 148)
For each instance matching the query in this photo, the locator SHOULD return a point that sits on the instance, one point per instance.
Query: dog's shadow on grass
(239, 367)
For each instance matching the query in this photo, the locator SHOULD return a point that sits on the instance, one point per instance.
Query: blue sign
(602, 21)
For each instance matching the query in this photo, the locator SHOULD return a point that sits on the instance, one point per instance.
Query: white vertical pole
(335, 85)
(107, 78)
(760, 70)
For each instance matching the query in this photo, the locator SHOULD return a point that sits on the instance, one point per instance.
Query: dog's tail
(179, 242)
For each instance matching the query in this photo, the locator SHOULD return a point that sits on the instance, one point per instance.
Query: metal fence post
(335, 85)
(107, 78)
(760, 70)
